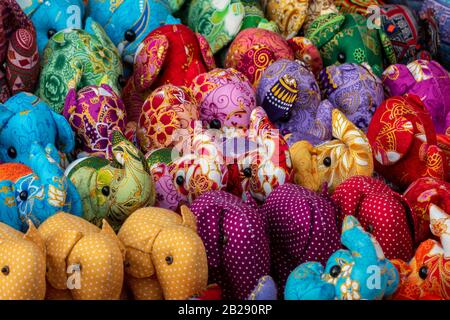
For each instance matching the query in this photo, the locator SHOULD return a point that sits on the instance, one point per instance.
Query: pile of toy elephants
(225, 149)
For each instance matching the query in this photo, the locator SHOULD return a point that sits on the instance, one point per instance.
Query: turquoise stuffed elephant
(37, 191)
(359, 273)
(25, 119)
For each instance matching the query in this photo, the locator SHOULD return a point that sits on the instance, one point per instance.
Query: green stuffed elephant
(113, 191)
(347, 38)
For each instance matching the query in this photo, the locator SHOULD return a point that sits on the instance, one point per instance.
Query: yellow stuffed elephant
(349, 154)
(84, 262)
(165, 257)
(22, 264)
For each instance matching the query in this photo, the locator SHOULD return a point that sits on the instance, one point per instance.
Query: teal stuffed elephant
(359, 273)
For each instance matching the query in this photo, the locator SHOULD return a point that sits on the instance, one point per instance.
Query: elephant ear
(95, 29)
(306, 51)
(5, 115)
(206, 52)
(189, 218)
(324, 28)
(304, 162)
(440, 226)
(9, 212)
(398, 79)
(34, 236)
(59, 246)
(65, 138)
(109, 232)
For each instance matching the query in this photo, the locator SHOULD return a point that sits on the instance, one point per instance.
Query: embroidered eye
(423, 272)
(51, 33)
(215, 124)
(12, 153)
(105, 191)
(247, 172)
(23, 195)
(130, 35)
(169, 260)
(335, 271)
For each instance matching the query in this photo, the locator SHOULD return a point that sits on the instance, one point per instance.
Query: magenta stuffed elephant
(236, 242)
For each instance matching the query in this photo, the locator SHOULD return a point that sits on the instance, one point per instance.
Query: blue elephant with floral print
(25, 119)
(36, 191)
(359, 273)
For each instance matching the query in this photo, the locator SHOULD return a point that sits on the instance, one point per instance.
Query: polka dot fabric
(381, 211)
(303, 227)
(236, 242)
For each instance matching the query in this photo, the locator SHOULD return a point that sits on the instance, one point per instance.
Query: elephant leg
(145, 289)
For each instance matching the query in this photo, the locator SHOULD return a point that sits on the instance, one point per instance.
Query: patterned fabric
(354, 90)
(74, 59)
(166, 257)
(236, 242)
(356, 6)
(218, 21)
(171, 54)
(74, 246)
(288, 14)
(254, 49)
(334, 161)
(302, 227)
(318, 8)
(306, 51)
(254, 17)
(94, 112)
(18, 51)
(404, 142)
(426, 79)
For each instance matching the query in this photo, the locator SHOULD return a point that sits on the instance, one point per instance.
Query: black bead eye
(122, 81)
(169, 260)
(127, 264)
(369, 228)
(286, 117)
(180, 180)
(51, 33)
(341, 57)
(105, 191)
(223, 238)
(247, 172)
(215, 124)
(12, 153)
(130, 35)
(23, 195)
(335, 271)
(327, 161)
(423, 272)
(5, 270)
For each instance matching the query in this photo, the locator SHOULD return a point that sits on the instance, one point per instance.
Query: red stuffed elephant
(18, 51)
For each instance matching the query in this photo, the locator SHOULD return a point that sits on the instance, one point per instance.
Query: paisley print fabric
(288, 14)
(317, 8)
(356, 6)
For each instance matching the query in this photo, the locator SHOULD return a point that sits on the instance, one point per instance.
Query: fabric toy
(77, 58)
(302, 227)
(225, 98)
(426, 276)
(288, 14)
(381, 211)
(113, 190)
(420, 195)
(404, 142)
(254, 17)
(167, 113)
(165, 257)
(349, 154)
(343, 38)
(171, 54)
(318, 8)
(306, 52)
(266, 289)
(354, 89)
(219, 21)
(94, 112)
(25, 119)
(19, 56)
(37, 191)
(356, 6)
(22, 264)
(360, 272)
(414, 5)
(426, 79)
(237, 246)
(84, 262)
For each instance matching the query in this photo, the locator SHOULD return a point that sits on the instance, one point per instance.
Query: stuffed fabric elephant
(76, 58)
(165, 257)
(356, 6)
(236, 242)
(429, 81)
(381, 211)
(360, 272)
(404, 142)
(318, 8)
(288, 14)
(84, 262)
(36, 192)
(94, 112)
(346, 38)
(22, 263)
(426, 276)
(254, 17)
(25, 119)
(113, 190)
(349, 154)
(302, 226)
(171, 54)
(18, 51)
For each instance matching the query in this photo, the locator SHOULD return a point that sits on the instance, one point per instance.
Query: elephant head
(349, 154)
(360, 272)
(22, 263)
(84, 262)
(36, 192)
(18, 51)
(165, 257)
(113, 190)
(289, 15)
(236, 242)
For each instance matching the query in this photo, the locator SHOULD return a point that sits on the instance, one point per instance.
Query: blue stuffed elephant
(25, 119)
(37, 191)
(359, 273)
